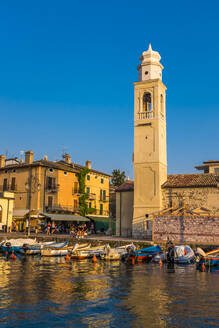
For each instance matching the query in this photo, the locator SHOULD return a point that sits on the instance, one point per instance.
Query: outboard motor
(25, 247)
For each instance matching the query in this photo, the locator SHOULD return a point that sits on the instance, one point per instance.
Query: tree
(118, 178)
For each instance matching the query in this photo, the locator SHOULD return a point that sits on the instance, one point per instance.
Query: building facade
(47, 186)
(6, 210)
(150, 159)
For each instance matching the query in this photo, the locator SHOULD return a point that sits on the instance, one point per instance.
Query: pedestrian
(48, 228)
(27, 226)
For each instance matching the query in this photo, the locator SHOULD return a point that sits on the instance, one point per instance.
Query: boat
(144, 254)
(181, 254)
(16, 245)
(36, 249)
(86, 252)
(207, 259)
(57, 249)
(118, 253)
(55, 252)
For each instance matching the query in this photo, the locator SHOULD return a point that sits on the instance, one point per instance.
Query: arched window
(147, 102)
(0, 214)
(161, 104)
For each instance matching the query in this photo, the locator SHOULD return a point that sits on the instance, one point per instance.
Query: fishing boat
(144, 254)
(208, 259)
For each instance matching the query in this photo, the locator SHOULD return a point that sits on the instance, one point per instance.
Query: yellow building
(52, 187)
(6, 210)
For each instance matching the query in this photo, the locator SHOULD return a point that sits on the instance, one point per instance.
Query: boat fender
(67, 257)
(94, 259)
(13, 256)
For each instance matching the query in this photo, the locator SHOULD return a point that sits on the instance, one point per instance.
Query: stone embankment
(96, 240)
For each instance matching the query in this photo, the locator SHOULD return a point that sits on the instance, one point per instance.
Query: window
(14, 171)
(101, 209)
(75, 203)
(216, 170)
(5, 184)
(75, 187)
(88, 190)
(102, 181)
(89, 204)
(161, 104)
(101, 194)
(51, 170)
(51, 183)
(104, 194)
(0, 214)
(65, 173)
(88, 177)
(13, 183)
(6, 171)
(147, 102)
(50, 201)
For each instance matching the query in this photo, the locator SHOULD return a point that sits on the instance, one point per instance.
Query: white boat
(86, 252)
(183, 254)
(54, 252)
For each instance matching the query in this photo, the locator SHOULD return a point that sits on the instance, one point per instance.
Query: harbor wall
(186, 229)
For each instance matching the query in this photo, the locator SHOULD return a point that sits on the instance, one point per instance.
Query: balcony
(96, 212)
(54, 188)
(145, 115)
(56, 208)
(75, 192)
(91, 196)
(103, 199)
(8, 187)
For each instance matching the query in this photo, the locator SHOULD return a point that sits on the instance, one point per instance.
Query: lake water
(37, 292)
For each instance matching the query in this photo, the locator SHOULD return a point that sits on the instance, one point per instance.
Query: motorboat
(144, 254)
(16, 245)
(181, 254)
(86, 252)
(118, 253)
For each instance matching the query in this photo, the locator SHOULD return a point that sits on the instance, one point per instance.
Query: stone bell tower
(150, 155)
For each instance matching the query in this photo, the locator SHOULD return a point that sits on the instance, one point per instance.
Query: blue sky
(66, 73)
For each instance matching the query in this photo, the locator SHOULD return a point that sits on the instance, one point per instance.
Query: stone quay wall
(187, 229)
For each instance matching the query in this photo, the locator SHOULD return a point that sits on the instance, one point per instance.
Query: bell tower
(150, 155)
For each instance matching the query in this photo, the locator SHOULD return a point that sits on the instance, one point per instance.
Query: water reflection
(48, 292)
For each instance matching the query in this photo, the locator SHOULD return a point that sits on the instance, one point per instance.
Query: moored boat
(207, 259)
(144, 254)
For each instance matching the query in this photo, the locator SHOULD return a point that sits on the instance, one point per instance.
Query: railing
(145, 115)
(61, 209)
(52, 188)
(75, 191)
(8, 187)
(97, 212)
(103, 199)
(91, 196)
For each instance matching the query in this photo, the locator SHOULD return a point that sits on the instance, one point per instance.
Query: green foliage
(83, 196)
(118, 178)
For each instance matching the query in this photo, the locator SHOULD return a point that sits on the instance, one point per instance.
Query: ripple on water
(40, 292)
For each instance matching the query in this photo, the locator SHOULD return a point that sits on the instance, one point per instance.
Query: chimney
(67, 158)
(2, 161)
(29, 157)
(45, 158)
(88, 164)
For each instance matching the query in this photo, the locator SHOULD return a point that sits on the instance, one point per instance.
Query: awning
(66, 217)
(19, 213)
